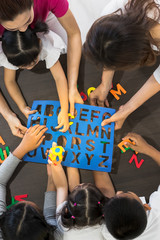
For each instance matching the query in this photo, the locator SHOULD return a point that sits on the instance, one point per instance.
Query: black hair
(22, 222)
(84, 207)
(125, 218)
(23, 48)
(10, 9)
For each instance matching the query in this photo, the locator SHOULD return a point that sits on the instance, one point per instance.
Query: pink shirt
(43, 7)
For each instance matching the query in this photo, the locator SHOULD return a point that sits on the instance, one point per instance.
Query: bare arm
(14, 91)
(143, 147)
(15, 125)
(98, 96)
(103, 182)
(62, 88)
(60, 182)
(150, 88)
(73, 56)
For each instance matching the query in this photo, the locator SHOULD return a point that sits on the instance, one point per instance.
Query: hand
(63, 120)
(140, 144)
(27, 111)
(33, 138)
(15, 125)
(98, 96)
(119, 117)
(74, 97)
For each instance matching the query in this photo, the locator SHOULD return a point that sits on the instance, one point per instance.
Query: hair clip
(99, 202)
(73, 217)
(75, 204)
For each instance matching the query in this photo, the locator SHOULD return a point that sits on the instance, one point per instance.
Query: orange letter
(118, 92)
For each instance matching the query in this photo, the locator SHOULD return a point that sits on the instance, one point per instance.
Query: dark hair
(23, 222)
(23, 48)
(84, 207)
(9, 9)
(121, 41)
(125, 217)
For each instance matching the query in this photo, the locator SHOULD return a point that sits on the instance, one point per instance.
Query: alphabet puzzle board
(87, 145)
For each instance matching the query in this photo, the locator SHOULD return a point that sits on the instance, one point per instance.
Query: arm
(103, 182)
(73, 177)
(60, 182)
(143, 147)
(98, 96)
(14, 91)
(150, 88)
(15, 125)
(32, 139)
(62, 88)
(73, 56)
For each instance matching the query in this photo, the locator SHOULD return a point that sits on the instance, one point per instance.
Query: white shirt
(85, 233)
(52, 47)
(152, 231)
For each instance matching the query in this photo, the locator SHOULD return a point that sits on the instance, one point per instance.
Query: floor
(38, 84)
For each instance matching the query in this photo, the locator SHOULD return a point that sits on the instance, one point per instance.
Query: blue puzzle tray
(87, 145)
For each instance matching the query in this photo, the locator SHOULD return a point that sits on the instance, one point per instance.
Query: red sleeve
(60, 8)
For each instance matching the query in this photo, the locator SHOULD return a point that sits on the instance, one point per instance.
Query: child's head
(84, 207)
(125, 216)
(122, 41)
(23, 48)
(25, 221)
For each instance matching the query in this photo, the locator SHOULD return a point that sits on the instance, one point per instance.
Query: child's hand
(63, 120)
(140, 144)
(15, 125)
(33, 138)
(74, 97)
(27, 111)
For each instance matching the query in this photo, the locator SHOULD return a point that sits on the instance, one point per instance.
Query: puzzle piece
(117, 92)
(91, 89)
(122, 143)
(13, 202)
(56, 154)
(19, 198)
(2, 141)
(84, 96)
(138, 164)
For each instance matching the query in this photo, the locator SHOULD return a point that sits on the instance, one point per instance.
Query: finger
(39, 129)
(19, 134)
(106, 103)
(46, 153)
(72, 108)
(41, 133)
(132, 136)
(33, 128)
(59, 126)
(32, 111)
(64, 129)
(40, 141)
(100, 103)
(54, 144)
(106, 121)
(22, 128)
(130, 145)
(117, 125)
(92, 101)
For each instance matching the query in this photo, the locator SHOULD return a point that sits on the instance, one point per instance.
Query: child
(125, 37)
(24, 50)
(80, 215)
(126, 215)
(24, 220)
